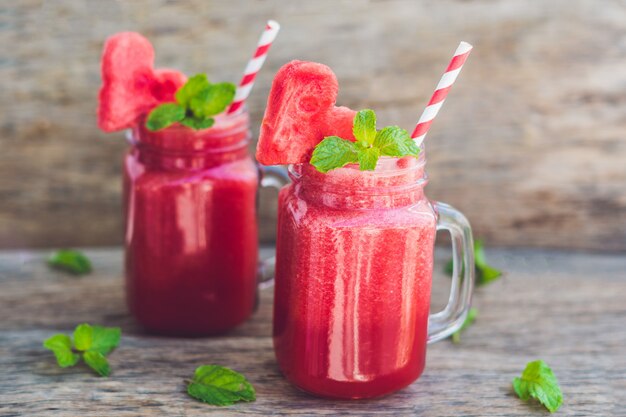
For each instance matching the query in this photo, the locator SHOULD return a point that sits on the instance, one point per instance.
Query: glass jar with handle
(353, 277)
(190, 203)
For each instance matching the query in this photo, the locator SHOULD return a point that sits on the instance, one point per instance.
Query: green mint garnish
(538, 381)
(484, 272)
(165, 115)
(196, 102)
(93, 343)
(364, 126)
(70, 261)
(368, 157)
(196, 123)
(469, 320)
(334, 152)
(217, 385)
(395, 141)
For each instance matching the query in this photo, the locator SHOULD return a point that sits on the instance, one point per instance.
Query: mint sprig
(71, 261)
(334, 152)
(469, 320)
(92, 343)
(485, 273)
(196, 102)
(221, 386)
(539, 382)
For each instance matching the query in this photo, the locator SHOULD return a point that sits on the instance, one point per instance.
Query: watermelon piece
(130, 85)
(166, 83)
(300, 112)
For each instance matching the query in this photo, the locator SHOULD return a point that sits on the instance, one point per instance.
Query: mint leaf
(194, 86)
(217, 385)
(364, 126)
(97, 362)
(333, 152)
(484, 272)
(196, 101)
(539, 382)
(471, 317)
(164, 116)
(61, 346)
(395, 141)
(212, 100)
(70, 261)
(83, 337)
(196, 123)
(368, 157)
(105, 339)
(94, 342)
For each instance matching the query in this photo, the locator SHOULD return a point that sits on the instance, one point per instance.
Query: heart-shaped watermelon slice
(300, 113)
(130, 85)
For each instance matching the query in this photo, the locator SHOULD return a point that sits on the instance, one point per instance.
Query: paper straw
(254, 65)
(442, 90)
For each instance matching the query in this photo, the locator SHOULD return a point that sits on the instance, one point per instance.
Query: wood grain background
(530, 145)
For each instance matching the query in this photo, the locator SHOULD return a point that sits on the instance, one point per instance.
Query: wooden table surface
(566, 308)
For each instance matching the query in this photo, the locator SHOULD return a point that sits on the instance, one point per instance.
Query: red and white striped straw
(441, 92)
(254, 65)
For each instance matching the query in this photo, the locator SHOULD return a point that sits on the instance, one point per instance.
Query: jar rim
(392, 175)
(229, 133)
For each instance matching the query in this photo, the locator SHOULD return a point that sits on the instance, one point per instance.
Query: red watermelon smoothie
(190, 191)
(353, 278)
(354, 255)
(191, 231)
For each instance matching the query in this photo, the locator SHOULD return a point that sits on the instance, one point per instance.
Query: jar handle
(273, 177)
(451, 318)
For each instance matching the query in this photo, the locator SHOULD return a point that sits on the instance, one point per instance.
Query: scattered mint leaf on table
(105, 339)
(469, 320)
(71, 261)
(83, 336)
(97, 362)
(90, 342)
(61, 345)
(217, 385)
(539, 382)
(335, 152)
(196, 102)
(485, 273)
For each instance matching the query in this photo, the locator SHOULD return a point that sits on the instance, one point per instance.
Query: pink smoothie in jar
(191, 228)
(353, 278)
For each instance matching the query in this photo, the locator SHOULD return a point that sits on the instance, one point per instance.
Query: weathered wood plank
(530, 144)
(565, 308)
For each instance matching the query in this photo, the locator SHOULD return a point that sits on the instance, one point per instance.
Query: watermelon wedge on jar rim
(131, 87)
(300, 112)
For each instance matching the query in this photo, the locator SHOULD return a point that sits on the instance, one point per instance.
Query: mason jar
(354, 267)
(190, 203)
